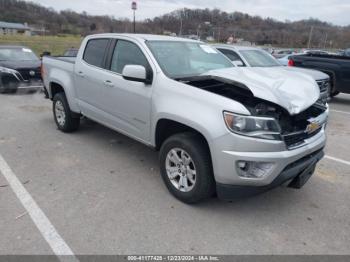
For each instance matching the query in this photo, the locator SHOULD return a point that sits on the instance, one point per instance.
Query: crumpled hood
(294, 91)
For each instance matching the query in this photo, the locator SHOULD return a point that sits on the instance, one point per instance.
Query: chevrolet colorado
(219, 128)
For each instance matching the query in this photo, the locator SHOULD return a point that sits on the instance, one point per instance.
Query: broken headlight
(252, 126)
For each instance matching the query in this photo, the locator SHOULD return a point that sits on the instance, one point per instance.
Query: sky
(333, 11)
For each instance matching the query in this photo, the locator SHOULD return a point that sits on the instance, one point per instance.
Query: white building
(14, 29)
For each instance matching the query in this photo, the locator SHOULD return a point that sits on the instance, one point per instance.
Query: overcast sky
(334, 11)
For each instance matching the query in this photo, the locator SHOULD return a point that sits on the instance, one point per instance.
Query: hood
(292, 90)
(18, 65)
(317, 75)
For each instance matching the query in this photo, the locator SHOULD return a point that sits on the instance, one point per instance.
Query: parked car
(315, 52)
(219, 128)
(337, 67)
(345, 52)
(285, 60)
(256, 57)
(19, 69)
(281, 53)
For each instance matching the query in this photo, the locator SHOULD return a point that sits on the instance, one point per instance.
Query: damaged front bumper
(295, 174)
(278, 164)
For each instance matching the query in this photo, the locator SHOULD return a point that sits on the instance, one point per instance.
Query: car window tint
(94, 52)
(127, 53)
(233, 56)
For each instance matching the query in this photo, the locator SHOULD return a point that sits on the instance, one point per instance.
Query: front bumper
(293, 172)
(15, 82)
(229, 149)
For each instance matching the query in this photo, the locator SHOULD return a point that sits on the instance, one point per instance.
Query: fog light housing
(249, 169)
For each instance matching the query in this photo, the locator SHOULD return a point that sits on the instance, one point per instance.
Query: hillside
(222, 25)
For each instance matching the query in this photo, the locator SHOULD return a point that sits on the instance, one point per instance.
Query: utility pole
(310, 36)
(325, 41)
(181, 21)
(198, 32)
(134, 8)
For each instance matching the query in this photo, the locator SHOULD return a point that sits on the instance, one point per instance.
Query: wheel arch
(167, 127)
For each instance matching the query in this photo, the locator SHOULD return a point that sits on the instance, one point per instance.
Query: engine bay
(256, 106)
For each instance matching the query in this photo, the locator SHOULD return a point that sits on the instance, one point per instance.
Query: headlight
(258, 127)
(7, 70)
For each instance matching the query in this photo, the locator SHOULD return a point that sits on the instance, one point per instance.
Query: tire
(202, 184)
(65, 119)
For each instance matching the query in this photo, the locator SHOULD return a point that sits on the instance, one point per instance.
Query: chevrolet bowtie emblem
(312, 127)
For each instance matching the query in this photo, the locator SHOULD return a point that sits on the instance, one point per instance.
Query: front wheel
(186, 168)
(64, 118)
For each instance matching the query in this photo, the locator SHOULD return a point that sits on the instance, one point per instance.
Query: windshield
(259, 58)
(17, 54)
(185, 59)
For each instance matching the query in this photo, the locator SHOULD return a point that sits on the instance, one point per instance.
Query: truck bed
(59, 62)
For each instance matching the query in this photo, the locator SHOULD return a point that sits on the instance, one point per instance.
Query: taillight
(291, 62)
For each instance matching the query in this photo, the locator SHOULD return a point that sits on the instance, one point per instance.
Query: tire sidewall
(202, 171)
(60, 97)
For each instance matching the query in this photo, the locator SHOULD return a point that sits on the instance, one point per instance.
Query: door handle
(108, 83)
(81, 74)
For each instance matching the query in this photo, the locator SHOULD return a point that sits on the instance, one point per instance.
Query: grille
(25, 73)
(297, 139)
(324, 85)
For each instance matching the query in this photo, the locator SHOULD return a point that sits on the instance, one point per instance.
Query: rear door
(90, 74)
(128, 103)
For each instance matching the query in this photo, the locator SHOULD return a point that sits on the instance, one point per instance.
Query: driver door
(128, 103)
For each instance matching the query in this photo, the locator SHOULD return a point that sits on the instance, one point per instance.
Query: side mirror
(238, 63)
(136, 73)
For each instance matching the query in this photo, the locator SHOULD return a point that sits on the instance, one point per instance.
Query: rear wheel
(65, 119)
(186, 168)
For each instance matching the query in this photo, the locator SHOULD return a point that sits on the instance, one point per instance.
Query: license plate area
(301, 179)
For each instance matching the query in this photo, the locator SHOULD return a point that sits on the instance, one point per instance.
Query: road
(102, 194)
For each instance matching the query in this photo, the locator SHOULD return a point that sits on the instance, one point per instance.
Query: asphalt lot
(103, 194)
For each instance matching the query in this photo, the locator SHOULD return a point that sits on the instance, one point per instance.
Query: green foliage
(54, 44)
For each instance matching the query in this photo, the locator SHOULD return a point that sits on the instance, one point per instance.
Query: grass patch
(54, 44)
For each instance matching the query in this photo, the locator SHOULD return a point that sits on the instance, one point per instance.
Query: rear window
(94, 52)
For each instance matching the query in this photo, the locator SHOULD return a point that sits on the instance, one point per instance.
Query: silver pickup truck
(220, 129)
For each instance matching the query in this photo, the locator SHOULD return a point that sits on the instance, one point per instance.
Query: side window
(94, 52)
(233, 56)
(127, 53)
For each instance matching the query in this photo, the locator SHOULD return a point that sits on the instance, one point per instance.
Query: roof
(149, 37)
(13, 26)
(236, 47)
